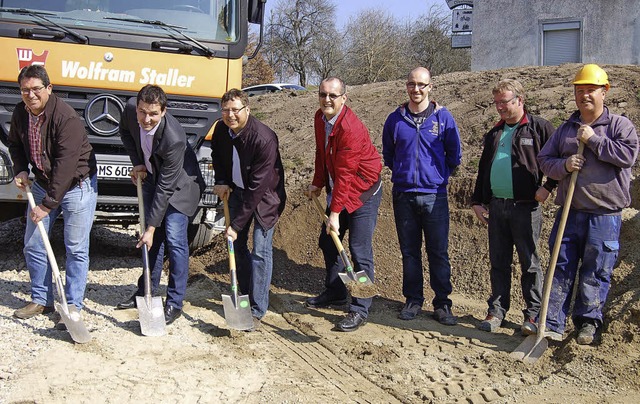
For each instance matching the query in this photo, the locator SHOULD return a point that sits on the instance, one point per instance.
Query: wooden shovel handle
(143, 227)
(548, 280)
(334, 235)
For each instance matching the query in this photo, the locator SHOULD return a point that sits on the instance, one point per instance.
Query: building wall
(509, 32)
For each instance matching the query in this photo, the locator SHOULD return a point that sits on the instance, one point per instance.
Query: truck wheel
(199, 235)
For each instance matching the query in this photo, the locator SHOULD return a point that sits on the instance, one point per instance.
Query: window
(561, 42)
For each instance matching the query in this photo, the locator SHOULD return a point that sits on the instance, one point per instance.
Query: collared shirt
(35, 137)
(236, 167)
(328, 128)
(146, 143)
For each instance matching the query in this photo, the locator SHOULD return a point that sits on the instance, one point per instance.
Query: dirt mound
(298, 263)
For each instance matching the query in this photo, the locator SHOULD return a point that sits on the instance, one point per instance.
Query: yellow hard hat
(592, 74)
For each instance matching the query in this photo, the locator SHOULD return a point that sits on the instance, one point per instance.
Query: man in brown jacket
(48, 138)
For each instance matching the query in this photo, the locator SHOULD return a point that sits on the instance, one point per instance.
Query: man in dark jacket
(507, 198)
(158, 148)
(348, 166)
(249, 172)
(48, 135)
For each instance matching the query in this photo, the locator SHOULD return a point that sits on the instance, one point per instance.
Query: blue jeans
(77, 207)
(514, 223)
(592, 240)
(254, 268)
(171, 234)
(419, 214)
(361, 223)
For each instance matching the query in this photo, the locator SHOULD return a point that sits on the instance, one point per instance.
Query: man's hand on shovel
(147, 237)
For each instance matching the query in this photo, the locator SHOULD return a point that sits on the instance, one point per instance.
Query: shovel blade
(74, 324)
(531, 349)
(358, 284)
(151, 316)
(237, 313)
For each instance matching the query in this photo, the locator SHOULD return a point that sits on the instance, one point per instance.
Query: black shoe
(351, 322)
(171, 313)
(130, 303)
(324, 300)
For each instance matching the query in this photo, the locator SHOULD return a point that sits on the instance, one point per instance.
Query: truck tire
(200, 235)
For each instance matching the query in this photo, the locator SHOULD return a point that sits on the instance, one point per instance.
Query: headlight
(6, 168)
(208, 197)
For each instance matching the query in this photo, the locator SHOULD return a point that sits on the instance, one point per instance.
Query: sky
(400, 9)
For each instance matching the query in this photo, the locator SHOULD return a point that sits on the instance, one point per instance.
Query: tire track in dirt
(321, 362)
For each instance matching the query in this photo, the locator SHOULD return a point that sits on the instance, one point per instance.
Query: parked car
(271, 88)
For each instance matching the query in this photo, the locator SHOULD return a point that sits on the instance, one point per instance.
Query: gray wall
(509, 32)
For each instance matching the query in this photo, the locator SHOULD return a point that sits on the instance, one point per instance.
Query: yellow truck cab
(99, 53)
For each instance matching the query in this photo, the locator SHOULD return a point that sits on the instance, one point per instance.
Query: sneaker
(444, 316)
(529, 327)
(490, 324)
(409, 311)
(586, 334)
(553, 335)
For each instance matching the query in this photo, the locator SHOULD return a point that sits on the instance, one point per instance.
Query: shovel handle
(548, 280)
(145, 250)
(334, 235)
(143, 227)
(232, 255)
(47, 245)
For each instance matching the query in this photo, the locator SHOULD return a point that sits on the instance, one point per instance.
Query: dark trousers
(419, 214)
(171, 234)
(361, 224)
(514, 223)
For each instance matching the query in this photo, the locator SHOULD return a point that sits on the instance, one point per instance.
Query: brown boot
(32, 309)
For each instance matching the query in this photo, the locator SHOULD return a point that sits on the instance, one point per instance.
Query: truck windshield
(213, 21)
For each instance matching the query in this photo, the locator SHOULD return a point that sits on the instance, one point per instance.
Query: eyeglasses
(332, 96)
(36, 90)
(503, 103)
(235, 111)
(419, 86)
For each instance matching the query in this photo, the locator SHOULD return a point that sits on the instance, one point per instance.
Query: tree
(295, 30)
(374, 44)
(257, 70)
(430, 44)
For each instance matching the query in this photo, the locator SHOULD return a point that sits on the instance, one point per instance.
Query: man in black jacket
(158, 148)
(507, 198)
(48, 138)
(249, 172)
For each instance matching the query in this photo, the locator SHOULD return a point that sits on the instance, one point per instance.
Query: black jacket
(527, 140)
(176, 171)
(262, 171)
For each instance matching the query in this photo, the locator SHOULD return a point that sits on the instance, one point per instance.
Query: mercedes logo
(103, 114)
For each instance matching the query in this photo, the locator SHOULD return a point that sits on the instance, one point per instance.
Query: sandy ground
(297, 357)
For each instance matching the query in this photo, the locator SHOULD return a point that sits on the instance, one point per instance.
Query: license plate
(114, 171)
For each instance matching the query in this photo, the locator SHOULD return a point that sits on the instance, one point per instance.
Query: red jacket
(350, 158)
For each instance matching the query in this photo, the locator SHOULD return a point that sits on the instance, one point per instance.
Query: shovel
(150, 310)
(532, 348)
(358, 283)
(72, 321)
(237, 308)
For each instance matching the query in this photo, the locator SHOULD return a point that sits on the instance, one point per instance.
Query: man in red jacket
(348, 166)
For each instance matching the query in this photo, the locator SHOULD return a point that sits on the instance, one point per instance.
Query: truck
(99, 53)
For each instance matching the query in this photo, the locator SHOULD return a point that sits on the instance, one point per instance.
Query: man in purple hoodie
(591, 236)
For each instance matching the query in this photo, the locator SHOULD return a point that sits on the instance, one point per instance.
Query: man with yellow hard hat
(590, 243)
